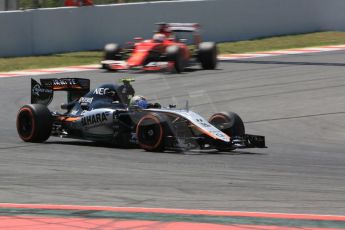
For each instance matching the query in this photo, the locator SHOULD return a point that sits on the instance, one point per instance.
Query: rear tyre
(207, 55)
(174, 54)
(34, 123)
(151, 132)
(229, 123)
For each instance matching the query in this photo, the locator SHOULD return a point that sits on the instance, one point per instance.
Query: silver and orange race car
(105, 115)
(167, 50)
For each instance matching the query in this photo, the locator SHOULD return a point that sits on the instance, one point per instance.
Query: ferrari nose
(136, 59)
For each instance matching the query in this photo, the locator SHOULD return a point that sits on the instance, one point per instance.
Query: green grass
(56, 60)
(94, 57)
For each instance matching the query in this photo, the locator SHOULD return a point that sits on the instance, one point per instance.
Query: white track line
(282, 52)
(35, 72)
(222, 57)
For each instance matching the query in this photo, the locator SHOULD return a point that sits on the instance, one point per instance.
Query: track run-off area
(296, 101)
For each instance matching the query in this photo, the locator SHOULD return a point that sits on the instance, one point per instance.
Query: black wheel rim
(149, 132)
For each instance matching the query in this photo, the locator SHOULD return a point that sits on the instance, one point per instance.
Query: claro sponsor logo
(86, 100)
(95, 119)
(37, 90)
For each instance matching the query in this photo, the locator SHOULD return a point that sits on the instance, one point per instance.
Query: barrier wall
(45, 31)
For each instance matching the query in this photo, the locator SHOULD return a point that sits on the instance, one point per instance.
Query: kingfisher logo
(95, 119)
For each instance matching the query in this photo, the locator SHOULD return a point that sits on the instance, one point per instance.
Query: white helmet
(139, 101)
(159, 37)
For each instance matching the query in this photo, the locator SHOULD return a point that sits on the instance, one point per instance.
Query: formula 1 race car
(105, 114)
(165, 51)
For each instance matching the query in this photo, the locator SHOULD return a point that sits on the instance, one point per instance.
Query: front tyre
(229, 123)
(34, 123)
(175, 55)
(151, 131)
(207, 55)
(111, 51)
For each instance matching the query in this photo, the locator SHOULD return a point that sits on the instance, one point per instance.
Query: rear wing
(43, 92)
(181, 27)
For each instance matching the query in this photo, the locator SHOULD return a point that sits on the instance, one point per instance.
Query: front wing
(151, 66)
(239, 142)
(249, 141)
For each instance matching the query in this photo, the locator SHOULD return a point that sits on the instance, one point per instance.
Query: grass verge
(47, 61)
(94, 57)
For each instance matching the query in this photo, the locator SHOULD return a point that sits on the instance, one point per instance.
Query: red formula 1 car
(167, 50)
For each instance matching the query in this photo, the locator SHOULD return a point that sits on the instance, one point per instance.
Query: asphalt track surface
(296, 101)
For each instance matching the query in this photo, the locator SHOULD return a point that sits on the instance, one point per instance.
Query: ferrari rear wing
(43, 92)
(182, 27)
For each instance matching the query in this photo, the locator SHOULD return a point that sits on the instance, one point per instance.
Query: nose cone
(137, 58)
(140, 53)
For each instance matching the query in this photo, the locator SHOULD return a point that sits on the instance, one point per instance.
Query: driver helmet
(159, 37)
(164, 28)
(139, 101)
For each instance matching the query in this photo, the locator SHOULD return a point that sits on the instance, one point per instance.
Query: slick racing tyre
(151, 131)
(207, 55)
(174, 54)
(34, 123)
(111, 51)
(229, 123)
